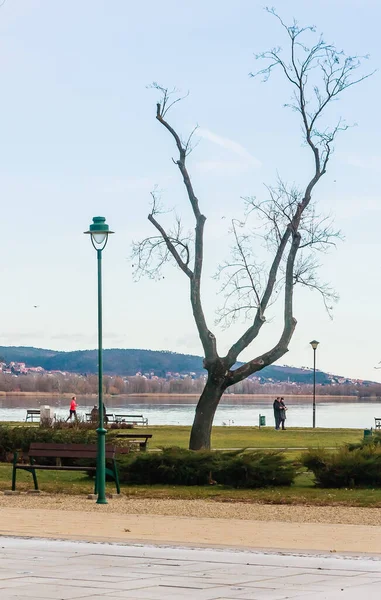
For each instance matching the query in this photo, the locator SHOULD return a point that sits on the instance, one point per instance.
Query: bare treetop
(319, 73)
(277, 243)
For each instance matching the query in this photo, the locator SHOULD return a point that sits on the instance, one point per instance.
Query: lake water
(172, 410)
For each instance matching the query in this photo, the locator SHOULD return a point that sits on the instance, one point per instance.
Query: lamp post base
(101, 466)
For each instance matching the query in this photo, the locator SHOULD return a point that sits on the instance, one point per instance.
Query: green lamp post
(99, 232)
(314, 345)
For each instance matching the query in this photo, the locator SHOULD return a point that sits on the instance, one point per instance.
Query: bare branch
(179, 249)
(166, 103)
(306, 274)
(281, 347)
(336, 71)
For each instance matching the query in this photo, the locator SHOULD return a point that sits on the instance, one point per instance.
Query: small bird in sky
(36, 306)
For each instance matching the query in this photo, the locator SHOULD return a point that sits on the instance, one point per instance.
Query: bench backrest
(38, 449)
(131, 416)
(145, 436)
(32, 411)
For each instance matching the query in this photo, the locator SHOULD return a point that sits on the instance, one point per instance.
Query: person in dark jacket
(277, 409)
(283, 409)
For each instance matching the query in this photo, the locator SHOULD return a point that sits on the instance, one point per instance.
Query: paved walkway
(32, 569)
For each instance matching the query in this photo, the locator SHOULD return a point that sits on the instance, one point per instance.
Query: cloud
(230, 145)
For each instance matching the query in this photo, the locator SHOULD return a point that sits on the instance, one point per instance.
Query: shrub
(346, 467)
(178, 466)
(171, 466)
(20, 438)
(371, 440)
(257, 470)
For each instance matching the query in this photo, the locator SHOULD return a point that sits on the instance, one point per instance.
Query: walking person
(73, 409)
(283, 409)
(277, 408)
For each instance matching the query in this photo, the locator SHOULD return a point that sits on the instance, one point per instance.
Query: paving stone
(57, 570)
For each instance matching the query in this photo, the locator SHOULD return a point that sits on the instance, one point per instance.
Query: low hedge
(20, 438)
(348, 467)
(172, 466)
(177, 466)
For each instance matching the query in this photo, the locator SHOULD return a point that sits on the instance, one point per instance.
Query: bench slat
(54, 446)
(66, 454)
(131, 416)
(60, 454)
(39, 449)
(55, 468)
(131, 419)
(134, 436)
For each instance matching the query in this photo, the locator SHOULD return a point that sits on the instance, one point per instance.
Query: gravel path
(199, 508)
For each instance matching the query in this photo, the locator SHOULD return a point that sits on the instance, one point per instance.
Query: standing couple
(279, 413)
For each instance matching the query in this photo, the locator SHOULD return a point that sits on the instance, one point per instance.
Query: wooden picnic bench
(40, 451)
(140, 439)
(30, 413)
(131, 419)
(377, 422)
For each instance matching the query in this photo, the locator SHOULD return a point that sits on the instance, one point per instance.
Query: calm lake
(174, 410)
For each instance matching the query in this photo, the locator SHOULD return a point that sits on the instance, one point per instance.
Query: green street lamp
(314, 345)
(99, 232)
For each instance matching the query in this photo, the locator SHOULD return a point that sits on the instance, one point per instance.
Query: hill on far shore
(119, 361)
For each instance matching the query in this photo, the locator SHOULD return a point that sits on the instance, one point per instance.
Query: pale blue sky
(79, 138)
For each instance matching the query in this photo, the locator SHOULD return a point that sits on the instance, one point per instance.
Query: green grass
(244, 437)
(302, 492)
(253, 437)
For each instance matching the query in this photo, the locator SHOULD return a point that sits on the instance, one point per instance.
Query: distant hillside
(130, 361)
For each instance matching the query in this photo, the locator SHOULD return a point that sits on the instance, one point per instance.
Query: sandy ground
(193, 522)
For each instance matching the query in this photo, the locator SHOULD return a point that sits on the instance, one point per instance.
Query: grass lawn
(242, 437)
(302, 492)
(253, 437)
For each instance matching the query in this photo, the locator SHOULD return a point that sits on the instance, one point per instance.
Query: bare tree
(286, 223)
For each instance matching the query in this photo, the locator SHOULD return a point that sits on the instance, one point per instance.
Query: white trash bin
(46, 415)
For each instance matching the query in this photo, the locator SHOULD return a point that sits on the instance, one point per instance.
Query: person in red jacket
(73, 409)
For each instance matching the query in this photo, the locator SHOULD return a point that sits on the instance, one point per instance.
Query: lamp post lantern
(99, 232)
(314, 345)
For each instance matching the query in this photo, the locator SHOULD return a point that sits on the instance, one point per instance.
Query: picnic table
(31, 413)
(139, 439)
(39, 451)
(132, 419)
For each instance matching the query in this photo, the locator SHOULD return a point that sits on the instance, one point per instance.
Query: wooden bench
(377, 422)
(40, 451)
(131, 419)
(110, 418)
(140, 439)
(31, 413)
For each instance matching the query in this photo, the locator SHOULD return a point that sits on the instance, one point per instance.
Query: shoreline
(160, 395)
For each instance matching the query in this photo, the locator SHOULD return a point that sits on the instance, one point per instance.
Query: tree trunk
(202, 425)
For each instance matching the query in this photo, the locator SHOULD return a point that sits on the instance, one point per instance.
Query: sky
(79, 138)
